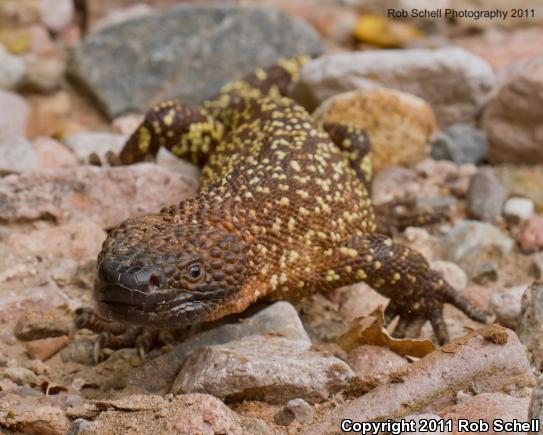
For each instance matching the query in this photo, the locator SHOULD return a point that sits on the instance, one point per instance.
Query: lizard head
(155, 271)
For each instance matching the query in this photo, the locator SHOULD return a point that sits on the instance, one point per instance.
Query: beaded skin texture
(284, 210)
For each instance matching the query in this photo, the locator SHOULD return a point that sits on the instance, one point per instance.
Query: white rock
(13, 113)
(99, 143)
(16, 154)
(57, 14)
(518, 209)
(452, 273)
(12, 69)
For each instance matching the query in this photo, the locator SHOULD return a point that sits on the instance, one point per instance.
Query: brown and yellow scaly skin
(283, 211)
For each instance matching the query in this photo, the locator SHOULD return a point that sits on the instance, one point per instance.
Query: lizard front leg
(416, 292)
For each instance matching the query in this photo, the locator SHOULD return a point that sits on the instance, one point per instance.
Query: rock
(79, 240)
(118, 16)
(485, 273)
(518, 209)
(79, 351)
(384, 32)
(529, 234)
(52, 154)
(279, 319)
(100, 144)
(32, 415)
(16, 154)
(486, 196)
(535, 410)
(45, 348)
(41, 42)
(511, 119)
(399, 125)
(463, 79)
(33, 325)
(375, 365)
(471, 244)
(12, 69)
(267, 368)
(417, 418)
(126, 124)
(523, 181)
(506, 305)
(57, 14)
(107, 196)
(13, 114)
(452, 273)
(537, 265)
(501, 48)
(393, 182)
(460, 143)
(49, 114)
(530, 326)
(21, 376)
(489, 407)
(492, 357)
(295, 410)
(185, 414)
(44, 74)
(177, 54)
(471, 21)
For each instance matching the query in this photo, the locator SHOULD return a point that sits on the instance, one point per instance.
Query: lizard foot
(115, 335)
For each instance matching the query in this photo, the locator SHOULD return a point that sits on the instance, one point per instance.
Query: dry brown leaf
(371, 330)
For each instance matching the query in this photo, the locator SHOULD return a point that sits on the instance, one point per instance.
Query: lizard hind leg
(416, 292)
(189, 133)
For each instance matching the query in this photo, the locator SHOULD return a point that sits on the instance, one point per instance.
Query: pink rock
(126, 124)
(501, 48)
(375, 365)
(512, 119)
(45, 348)
(106, 195)
(53, 154)
(530, 234)
(57, 14)
(79, 240)
(40, 42)
(489, 407)
(13, 113)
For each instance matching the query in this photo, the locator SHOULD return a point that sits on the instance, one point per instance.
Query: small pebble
(21, 376)
(486, 196)
(295, 410)
(537, 265)
(485, 273)
(530, 234)
(517, 209)
(507, 305)
(460, 143)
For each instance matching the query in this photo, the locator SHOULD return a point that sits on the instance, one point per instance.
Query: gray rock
(12, 69)
(512, 119)
(295, 410)
(530, 327)
(454, 82)
(106, 195)
(506, 305)
(537, 265)
(188, 53)
(535, 410)
(16, 154)
(471, 244)
(486, 196)
(84, 145)
(461, 143)
(280, 319)
(266, 368)
(485, 273)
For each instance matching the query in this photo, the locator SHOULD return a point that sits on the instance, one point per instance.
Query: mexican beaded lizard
(283, 211)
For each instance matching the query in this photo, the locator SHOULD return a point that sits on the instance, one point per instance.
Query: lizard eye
(194, 272)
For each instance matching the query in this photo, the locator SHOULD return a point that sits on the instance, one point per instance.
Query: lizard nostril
(154, 282)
